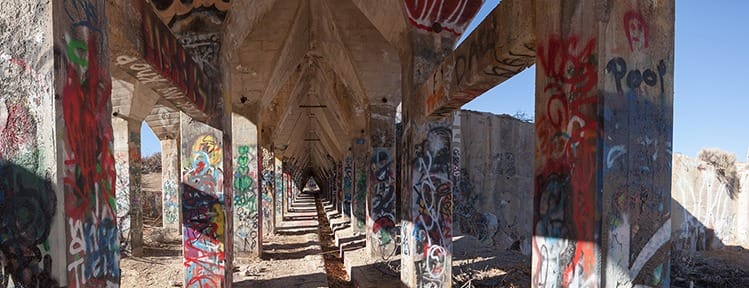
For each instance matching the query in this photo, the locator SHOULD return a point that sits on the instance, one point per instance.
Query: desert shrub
(151, 164)
(725, 167)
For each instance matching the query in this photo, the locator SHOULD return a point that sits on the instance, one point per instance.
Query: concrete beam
(150, 53)
(500, 47)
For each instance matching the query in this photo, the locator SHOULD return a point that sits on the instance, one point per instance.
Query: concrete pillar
(245, 187)
(278, 195)
(267, 195)
(381, 183)
(427, 205)
(203, 207)
(259, 197)
(128, 185)
(359, 197)
(348, 185)
(57, 173)
(339, 185)
(604, 118)
(171, 194)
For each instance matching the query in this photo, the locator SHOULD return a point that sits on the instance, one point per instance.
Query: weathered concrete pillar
(427, 205)
(259, 197)
(348, 185)
(381, 183)
(339, 185)
(204, 217)
(359, 199)
(170, 179)
(128, 185)
(278, 195)
(268, 188)
(245, 187)
(604, 118)
(57, 173)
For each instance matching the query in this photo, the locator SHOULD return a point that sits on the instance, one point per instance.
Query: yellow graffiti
(209, 145)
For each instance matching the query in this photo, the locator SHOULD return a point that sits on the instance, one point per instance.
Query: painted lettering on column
(360, 194)
(382, 179)
(438, 15)
(89, 174)
(268, 179)
(245, 198)
(431, 208)
(122, 189)
(639, 106)
(566, 143)
(203, 213)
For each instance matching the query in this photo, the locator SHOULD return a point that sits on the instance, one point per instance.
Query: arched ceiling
(306, 71)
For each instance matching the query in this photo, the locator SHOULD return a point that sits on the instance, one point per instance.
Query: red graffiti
(636, 29)
(17, 129)
(567, 135)
(89, 134)
(438, 15)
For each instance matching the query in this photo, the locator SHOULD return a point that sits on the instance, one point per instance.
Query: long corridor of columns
(252, 99)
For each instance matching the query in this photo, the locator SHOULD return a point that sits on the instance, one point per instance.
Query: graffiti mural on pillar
(431, 208)
(348, 180)
(438, 15)
(122, 189)
(637, 142)
(566, 136)
(360, 194)
(203, 215)
(382, 212)
(170, 190)
(245, 199)
(268, 188)
(279, 188)
(89, 172)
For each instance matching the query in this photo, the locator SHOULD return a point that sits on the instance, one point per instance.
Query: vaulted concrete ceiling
(306, 73)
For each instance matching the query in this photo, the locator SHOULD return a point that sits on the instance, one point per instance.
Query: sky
(711, 106)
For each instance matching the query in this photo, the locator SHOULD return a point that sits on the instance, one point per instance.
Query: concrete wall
(494, 191)
(705, 213)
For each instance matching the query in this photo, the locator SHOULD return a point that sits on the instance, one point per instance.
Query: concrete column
(359, 199)
(57, 173)
(604, 118)
(245, 187)
(427, 205)
(278, 195)
(339, 185)
(203, 206)
(381, 183)
(348, 185)
(128, 185)
(171, 194)
(267, 195)
(259, 197)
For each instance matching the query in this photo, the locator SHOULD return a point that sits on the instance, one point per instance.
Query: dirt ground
(295, 258)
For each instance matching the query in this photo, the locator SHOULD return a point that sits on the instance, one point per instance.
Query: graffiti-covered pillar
(203, 211)
(604, 118)
(348, 185)
(381, 183)
(359, 197)
(268, 189)
(278, 195)
(245, 187)
(128, 184)
(57, 174)
(170, 179)
(427, 205)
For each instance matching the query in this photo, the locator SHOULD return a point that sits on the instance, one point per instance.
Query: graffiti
(204, 48)
(203, 215)
(637, 143)
(268, 178)
(438, 15)
(567, 136)
(171, 202)
(504, 164)
(382, 212)
(122, 190)
(168, 9)
(170, 189)
(431, 209)
(482, 225)
(360, 194)
(279, 188)
(27, 207)
(348, 177)
(245, 199)
(89, 174)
